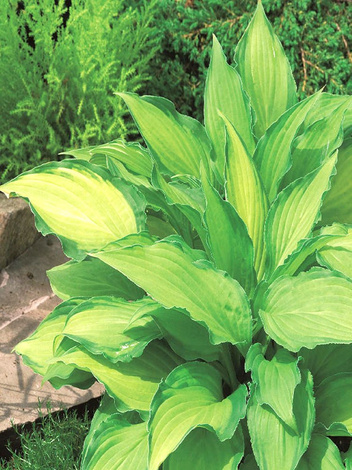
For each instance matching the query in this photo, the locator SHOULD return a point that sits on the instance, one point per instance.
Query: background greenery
(315, 34)
(60, 63)
(62, 60)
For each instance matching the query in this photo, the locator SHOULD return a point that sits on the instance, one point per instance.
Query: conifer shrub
(316, 35)
(60, 63)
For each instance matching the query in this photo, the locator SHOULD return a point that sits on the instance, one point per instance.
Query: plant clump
(210, 285)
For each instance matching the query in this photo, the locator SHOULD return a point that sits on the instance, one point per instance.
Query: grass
(54, 444)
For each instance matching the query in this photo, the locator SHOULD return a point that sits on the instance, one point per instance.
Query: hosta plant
(210, 285)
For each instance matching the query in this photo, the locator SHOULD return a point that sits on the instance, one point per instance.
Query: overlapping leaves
(206, 290)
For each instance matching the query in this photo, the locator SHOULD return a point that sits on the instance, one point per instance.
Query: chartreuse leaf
(294, 213)
(272, 155)
(202, 449)
(337, 204)
(91, 278)
(80, 203)
(315, 144)
(309, 309)
(334, 402)
(92, 322)
(265, 71)
(245, 191)
(224, 92)
(276, 381)
(187, 338)
(327, 360)
(133, 156)
(337, 253)
(306, 248)
(191, 396)
(37, 349)
(275, 445)
(322, 454)
(178, 143)
(325, 106)
(172, 275)
(131, 384)
(230, 245)
(117, 445)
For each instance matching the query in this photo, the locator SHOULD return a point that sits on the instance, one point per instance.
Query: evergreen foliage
(60, 64)
(316, 36)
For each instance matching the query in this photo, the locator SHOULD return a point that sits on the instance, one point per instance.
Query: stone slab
(25, 299)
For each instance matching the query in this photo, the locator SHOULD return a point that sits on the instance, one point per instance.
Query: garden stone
(25, 299)
(17, 229)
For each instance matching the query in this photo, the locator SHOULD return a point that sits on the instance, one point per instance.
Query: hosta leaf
(191, 396)
(80, 203)
(348, 458)
(99, 323)
(294, 213)
(326, 105)
(265, 72)
(37, 349)
(306, 248)
(327, 360)
(134, 157)
(275, 445)
(317, 143)
(179, 143)
(132, 384)
(334, 401)
(187, 338)
(245, 191)
(338, 201)
(190, 201)
(230, 245)
(117, 445)
(310, 309)
(273, 153)
(322, 454)
(224, 92)
(170, 272)
(337, 253)
(276, 381)
(202, 449)
(91, 278)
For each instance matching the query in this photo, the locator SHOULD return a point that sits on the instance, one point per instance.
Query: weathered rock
(25, 299)
(17, 229)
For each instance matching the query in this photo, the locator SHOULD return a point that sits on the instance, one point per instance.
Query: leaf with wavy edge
(274, 444)
(37, 349)
(337, 253)
(81, 203)
(307, 310)
(178, 143)
(316, 144)
(245, 191)
(224, 92)
(117, 445)
(276, 381)
(294, 213)
(91, 278)
(132, 155)
(131, 384)
(202, 449)
(265, 71)
(176, 276)
(229, 243)
(272, 155)
(99, 324)
(191, 396)
(322, 453)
